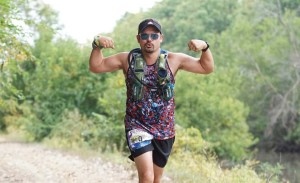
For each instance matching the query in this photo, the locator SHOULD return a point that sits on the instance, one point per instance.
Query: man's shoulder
(174, 55)
(175, 59)
(177, 55)
(121, 56)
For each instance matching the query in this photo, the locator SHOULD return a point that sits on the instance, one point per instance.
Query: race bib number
(138, 139)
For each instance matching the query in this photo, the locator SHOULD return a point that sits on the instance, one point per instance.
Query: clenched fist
(103, 42)
(198, 45)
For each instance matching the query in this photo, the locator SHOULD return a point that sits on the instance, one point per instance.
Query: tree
(264, 42)
(13, 50)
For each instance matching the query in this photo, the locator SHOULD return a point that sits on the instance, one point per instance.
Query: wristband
(95, 45)
(204, 50)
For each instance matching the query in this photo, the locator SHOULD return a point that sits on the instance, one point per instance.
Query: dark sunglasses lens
(144, 36)
(154, 36)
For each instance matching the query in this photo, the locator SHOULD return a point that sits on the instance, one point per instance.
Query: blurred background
(240, 123)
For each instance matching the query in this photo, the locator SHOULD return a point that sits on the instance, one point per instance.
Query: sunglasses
(153, 36)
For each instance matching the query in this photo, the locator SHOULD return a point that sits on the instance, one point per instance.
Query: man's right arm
(100, 64)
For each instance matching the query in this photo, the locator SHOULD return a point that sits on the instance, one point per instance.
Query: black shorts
(161, 151)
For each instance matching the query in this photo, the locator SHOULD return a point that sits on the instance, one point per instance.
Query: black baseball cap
(149, 22)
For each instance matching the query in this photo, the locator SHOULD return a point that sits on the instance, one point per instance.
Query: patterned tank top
(152, 113)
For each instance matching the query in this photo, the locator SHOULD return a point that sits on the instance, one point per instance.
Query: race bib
(138, 138)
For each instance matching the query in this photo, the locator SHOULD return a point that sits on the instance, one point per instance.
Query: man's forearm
(95, 60)
(207, 61)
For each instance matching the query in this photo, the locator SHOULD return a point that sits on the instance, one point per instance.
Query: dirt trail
(34, 163)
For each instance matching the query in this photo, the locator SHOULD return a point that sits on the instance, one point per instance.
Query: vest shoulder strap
(133, 53)
(163, 57)
(136, 62)
(136, 51)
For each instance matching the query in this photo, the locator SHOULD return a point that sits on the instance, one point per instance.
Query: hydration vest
(137, 66)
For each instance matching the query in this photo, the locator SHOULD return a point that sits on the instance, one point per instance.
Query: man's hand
(197, 45)
(103, 42)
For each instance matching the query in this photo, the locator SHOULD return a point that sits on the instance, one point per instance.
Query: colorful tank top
(152, 113)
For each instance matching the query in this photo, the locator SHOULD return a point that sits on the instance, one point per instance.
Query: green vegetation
(251, 102)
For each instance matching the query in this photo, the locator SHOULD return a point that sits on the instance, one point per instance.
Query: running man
(150, 79)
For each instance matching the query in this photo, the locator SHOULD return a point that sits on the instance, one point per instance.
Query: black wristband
(204, 50)
(94, 45)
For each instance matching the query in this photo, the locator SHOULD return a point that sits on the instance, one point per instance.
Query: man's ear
(162, 38)
(138, 38)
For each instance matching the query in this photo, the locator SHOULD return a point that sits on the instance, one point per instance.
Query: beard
(149, 48)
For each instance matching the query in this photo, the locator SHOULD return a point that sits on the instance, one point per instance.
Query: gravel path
(34, 163)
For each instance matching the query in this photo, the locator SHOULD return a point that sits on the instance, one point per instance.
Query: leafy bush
(210, 104)
(76, 131)
(193, 161)
(73, 131)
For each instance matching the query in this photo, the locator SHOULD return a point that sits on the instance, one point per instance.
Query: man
(150, 78)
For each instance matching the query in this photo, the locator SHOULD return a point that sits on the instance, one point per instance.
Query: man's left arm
(203, 65)
(206, 59)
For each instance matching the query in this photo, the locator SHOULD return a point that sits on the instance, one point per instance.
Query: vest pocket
(137, 87)
(168, 91)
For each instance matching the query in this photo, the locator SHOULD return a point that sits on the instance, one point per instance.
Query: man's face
(150, 39)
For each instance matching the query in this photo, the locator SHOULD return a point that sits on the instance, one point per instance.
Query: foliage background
(249, 104)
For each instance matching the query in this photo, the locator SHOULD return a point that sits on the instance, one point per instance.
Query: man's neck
(151, 58)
